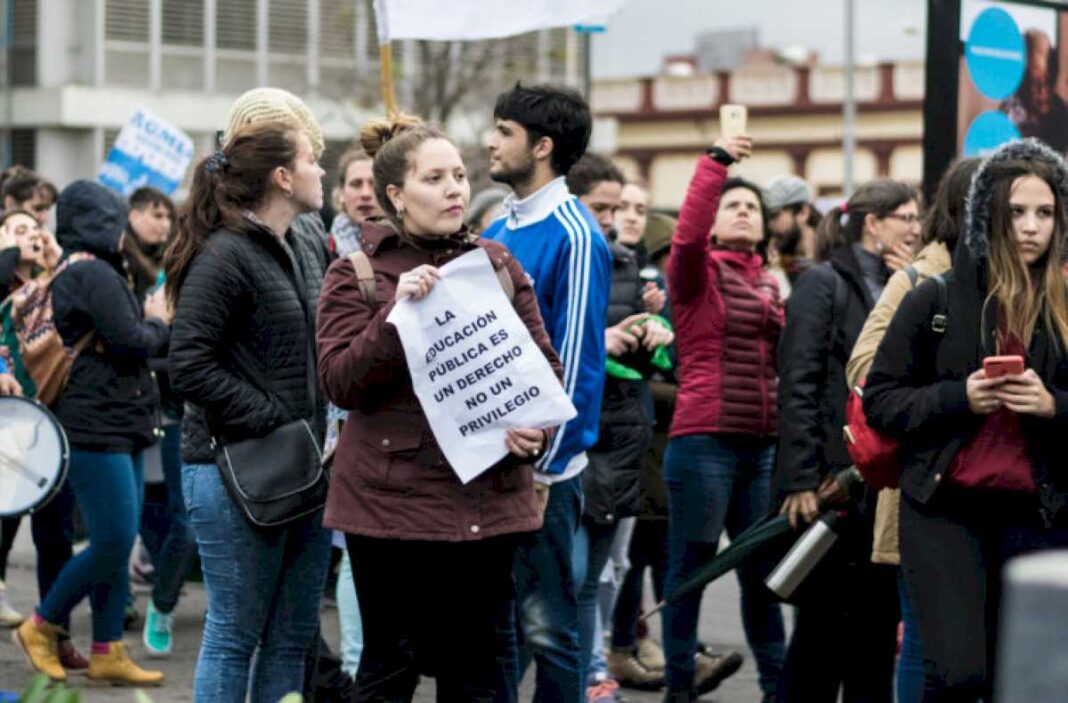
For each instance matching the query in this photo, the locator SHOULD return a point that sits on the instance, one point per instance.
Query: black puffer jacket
(916, 389)
(612, 481)
(239, 314)
(824, 316)
(111, 402)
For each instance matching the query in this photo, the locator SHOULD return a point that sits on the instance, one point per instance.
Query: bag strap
(838, 306)
(365, 278)
(940, 318)
(913, 273)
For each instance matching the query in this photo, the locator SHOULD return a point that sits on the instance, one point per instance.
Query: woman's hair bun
(375, 134)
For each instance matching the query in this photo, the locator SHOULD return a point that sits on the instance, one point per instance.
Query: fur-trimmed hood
(976, 235)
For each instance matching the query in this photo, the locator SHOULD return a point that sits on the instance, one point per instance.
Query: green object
(660, 359)
(34, 691)
(292, 698)
(158, 633)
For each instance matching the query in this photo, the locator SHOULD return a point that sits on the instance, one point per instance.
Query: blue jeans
(593, 547)
(108, 489)
(169, 539)
(547, 603)
(264, 588)
(910, 663)
(348, 616)
(715, 482)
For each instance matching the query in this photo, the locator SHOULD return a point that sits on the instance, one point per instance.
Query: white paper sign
(475, 368)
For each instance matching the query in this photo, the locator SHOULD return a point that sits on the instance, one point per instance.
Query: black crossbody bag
(281, 477)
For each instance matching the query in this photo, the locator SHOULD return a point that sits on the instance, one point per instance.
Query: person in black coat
(845, 630)
(110, 411)
(245, 278)
(982, 456)
(611, 481)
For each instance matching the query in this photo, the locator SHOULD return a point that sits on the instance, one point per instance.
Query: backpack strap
(940, 317)
(838, 307)
(506, 282)
(913, 274)
(365, 276)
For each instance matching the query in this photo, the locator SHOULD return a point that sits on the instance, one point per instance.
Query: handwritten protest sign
(147, 152)
(475, 368)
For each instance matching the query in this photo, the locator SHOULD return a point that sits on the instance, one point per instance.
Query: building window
(235, 38)
(126, 57)
(287, 43)
(183, 22)
(182, 35)
(22, 43)
(23, 149)
(287, 31)
(126, 20)
(235, 25)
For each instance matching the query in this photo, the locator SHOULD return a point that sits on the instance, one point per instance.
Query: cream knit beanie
(273, 105)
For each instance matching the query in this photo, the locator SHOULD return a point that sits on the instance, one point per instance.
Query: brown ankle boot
(38, 643)
(117, 669)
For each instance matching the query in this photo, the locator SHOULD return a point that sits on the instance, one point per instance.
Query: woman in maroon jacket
(430, 556)
(719, 462)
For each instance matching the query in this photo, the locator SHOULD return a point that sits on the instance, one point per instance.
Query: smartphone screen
(732, 119)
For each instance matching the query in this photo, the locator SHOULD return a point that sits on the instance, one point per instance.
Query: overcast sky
(644, 30)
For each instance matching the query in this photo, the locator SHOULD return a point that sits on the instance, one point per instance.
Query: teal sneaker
(158, 629)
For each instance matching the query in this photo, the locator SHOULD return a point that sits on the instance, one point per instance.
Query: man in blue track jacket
(540, 132)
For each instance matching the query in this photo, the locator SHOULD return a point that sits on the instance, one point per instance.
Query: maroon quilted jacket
(728, 317)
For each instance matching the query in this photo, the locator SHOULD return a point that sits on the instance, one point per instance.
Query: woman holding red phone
(980, 407)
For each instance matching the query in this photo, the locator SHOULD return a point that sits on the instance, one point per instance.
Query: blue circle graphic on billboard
(996, 54)
(989, 131)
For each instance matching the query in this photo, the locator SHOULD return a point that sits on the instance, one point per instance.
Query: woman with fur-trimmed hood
(981, 476)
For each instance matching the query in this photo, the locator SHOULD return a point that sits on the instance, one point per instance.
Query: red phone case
(998, 366)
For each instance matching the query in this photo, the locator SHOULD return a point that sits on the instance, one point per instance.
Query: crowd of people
(710, 360)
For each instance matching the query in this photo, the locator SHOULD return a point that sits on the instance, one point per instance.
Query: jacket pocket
(389, 461)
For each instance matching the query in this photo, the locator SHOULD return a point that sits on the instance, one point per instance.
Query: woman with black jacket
(847, 619)
(246, 281)
(110, 411)
(981, 456)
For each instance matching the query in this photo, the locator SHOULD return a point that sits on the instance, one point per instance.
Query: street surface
(720, 627)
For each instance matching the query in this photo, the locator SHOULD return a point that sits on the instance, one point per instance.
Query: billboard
(1004, 75)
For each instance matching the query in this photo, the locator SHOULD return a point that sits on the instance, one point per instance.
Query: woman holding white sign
(403, 508)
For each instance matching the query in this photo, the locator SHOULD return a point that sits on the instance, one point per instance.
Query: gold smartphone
(732, 119)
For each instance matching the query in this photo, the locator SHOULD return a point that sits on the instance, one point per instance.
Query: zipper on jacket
(763, 371)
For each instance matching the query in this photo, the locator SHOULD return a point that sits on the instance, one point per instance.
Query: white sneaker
(9, 617)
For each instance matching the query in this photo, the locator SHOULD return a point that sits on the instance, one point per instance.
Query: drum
(34, 455)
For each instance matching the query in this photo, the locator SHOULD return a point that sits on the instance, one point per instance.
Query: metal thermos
(803, 556)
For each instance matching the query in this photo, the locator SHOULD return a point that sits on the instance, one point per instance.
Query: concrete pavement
(720, 626)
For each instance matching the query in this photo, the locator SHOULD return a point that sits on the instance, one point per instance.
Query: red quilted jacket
(728, 317)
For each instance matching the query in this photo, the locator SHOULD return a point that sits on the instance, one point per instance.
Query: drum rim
(64, 463)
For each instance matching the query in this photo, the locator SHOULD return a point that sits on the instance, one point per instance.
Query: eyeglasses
(908, 218)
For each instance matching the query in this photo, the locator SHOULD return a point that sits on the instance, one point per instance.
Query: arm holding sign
(358, 349)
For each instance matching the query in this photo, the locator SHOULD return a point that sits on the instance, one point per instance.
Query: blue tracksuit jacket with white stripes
(561, 247)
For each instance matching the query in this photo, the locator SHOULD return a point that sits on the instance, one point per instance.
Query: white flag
(482, 19)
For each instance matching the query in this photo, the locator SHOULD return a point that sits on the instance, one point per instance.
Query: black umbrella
(757, 538)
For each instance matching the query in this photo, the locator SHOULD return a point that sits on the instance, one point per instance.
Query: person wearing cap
(281, 107)
(792, 221)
